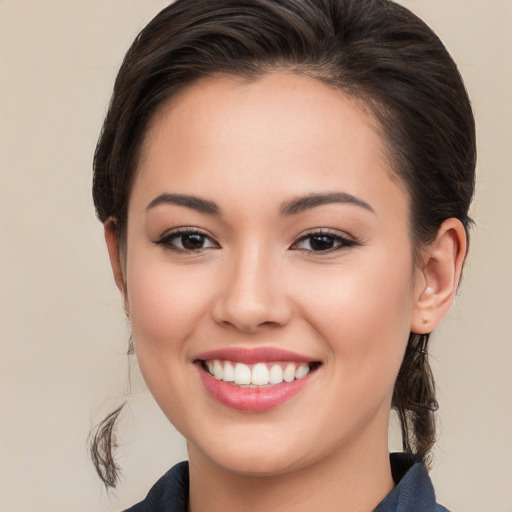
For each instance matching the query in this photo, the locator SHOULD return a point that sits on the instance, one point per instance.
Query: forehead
(281, 133)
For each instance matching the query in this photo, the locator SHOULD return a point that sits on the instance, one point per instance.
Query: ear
(438, 276)
(115, 256)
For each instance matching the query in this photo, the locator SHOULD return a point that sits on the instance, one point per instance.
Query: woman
(284, 187)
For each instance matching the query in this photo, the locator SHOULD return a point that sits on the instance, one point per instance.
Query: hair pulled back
(374, 50)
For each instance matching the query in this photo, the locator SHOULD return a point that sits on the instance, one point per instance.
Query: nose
(252, 296)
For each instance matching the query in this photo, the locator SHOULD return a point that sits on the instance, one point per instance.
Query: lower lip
(252, 399)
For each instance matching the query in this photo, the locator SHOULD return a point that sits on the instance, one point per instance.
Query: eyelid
(345, 240)
(165, 239)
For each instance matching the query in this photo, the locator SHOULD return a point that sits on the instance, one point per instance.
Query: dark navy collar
(169, 494)
(413, 491)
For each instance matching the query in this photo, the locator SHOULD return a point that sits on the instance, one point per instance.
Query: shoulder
(169, 494)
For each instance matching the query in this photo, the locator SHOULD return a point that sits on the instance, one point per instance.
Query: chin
(251, 457)
(259, 465)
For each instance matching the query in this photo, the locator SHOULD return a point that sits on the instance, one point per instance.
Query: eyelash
(167, 240)
(343, 242)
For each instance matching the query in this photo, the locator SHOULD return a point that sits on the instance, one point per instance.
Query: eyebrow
(313, 200)
(293, 207)
(196, 203)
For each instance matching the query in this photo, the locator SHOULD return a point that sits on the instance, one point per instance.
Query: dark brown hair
(374, 50)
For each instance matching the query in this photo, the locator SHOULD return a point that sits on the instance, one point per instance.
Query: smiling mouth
(258, 375)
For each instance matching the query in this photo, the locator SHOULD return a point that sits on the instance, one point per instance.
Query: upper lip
(254, 355)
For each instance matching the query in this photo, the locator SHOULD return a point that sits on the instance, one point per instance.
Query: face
(269, 273)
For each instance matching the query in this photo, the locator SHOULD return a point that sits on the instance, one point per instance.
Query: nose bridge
(252, 295)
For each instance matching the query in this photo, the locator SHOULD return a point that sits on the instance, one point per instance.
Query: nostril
(251, 300)
(249, 322)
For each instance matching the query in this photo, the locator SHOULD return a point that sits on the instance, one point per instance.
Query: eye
(186, 240)
(322, 242)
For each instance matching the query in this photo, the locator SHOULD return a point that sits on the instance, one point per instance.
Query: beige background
(62, 330)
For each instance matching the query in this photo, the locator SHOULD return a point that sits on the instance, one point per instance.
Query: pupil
(193, 241)
(321, 243)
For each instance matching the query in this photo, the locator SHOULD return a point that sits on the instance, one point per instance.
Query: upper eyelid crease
(344, 241)
(165, 239)
(185, 231)
(315, 232)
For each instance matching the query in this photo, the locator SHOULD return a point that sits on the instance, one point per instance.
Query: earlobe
(115, 256)
(438, 278)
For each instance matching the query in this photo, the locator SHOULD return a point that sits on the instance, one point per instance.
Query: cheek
(363, 311)
(166, 304)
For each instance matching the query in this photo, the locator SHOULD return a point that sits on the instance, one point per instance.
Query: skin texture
(250, 148)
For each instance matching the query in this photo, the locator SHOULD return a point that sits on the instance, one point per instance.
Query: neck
(354, 482)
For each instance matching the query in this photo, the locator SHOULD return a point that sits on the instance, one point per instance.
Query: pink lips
(252, 399)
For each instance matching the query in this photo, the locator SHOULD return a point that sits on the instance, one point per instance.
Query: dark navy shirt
(413, 492)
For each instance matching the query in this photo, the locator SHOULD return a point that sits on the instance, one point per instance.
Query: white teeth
(229, 372)
(218, 371)
(259, 374)
(276, 374)
(302, 371)
(242, 374)
(289, 373)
